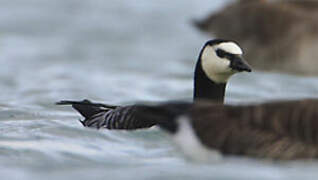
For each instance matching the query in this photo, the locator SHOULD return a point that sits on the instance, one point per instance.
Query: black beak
(239, 64)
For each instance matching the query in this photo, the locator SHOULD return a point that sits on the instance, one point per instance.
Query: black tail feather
(86, 102)
(86, 108)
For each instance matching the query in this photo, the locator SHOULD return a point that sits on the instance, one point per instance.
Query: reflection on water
(116, 52)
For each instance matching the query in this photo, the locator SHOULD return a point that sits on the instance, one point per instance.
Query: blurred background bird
(278, 35)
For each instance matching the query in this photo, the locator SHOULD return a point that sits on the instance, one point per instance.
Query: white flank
(188, 142)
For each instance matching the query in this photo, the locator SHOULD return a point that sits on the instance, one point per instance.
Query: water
(117, 52)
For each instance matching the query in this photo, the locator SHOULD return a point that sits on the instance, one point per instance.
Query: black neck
(205, 88)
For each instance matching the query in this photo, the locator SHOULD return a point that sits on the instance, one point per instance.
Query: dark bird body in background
(278, 35)
(285, 130)
(217, 62)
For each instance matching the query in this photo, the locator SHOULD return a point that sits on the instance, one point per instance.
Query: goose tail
(86, 108)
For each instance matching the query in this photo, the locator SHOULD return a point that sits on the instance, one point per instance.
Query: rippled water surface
(120, 52)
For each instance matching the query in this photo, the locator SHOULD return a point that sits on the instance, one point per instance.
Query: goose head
(220, 59)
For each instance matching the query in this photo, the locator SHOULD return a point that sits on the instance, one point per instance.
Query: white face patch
(216, 68)
(188, 142)
(229, 47)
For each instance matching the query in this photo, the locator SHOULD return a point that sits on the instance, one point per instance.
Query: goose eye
(220, 53)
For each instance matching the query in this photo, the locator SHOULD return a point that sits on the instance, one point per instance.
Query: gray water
(118, 52)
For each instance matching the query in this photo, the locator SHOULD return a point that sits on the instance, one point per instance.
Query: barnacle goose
(204, 131)
(218, 60)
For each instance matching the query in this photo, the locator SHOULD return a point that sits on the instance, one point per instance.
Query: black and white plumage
(116, 117)
(217, 62)
(204, 131)
(110, 117)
